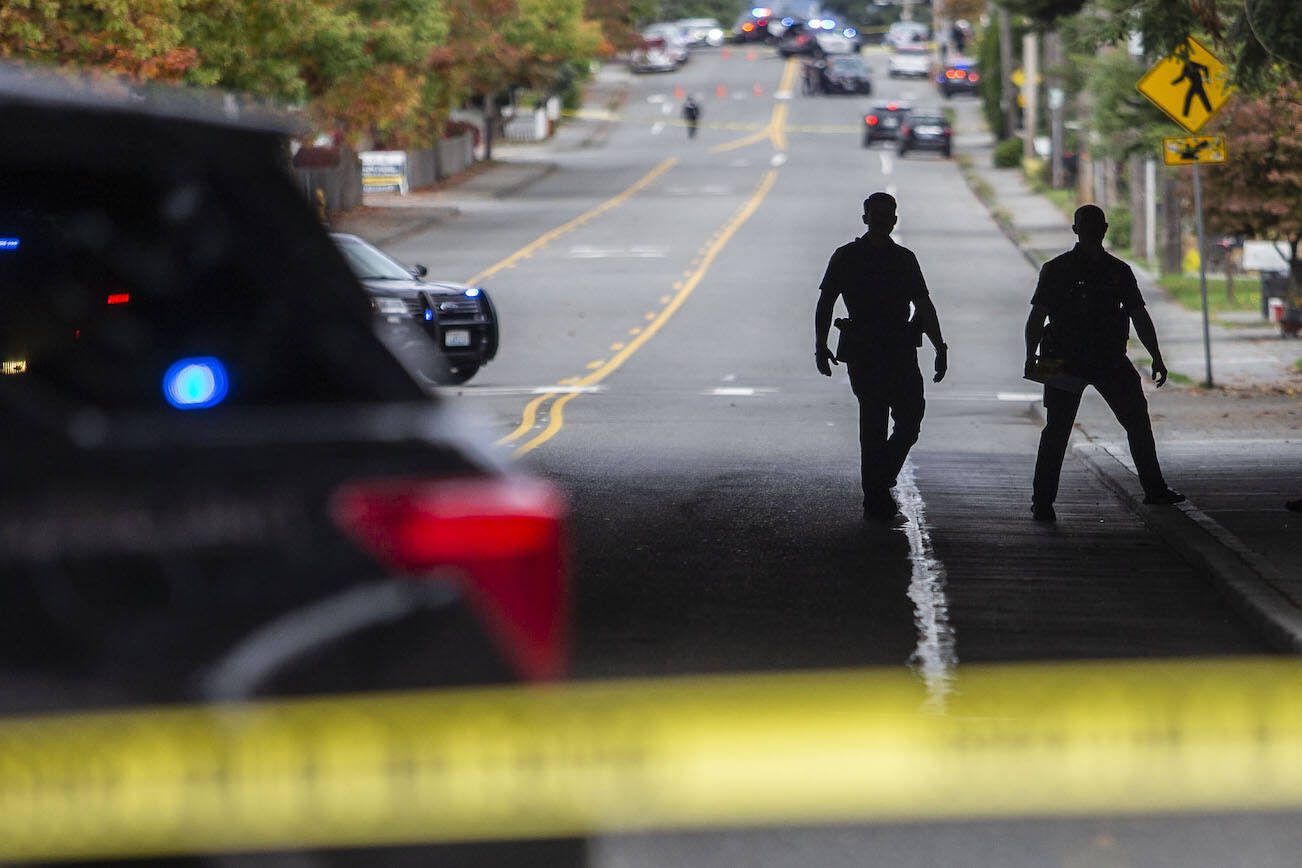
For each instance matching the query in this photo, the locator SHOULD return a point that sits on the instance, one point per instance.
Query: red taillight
(951, 74)
(892, 106)
(119, 298)
(747, 27)
(871, 120)
(504, 538)
(972, 76)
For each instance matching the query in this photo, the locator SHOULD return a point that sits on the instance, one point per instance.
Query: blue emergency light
(196, 383)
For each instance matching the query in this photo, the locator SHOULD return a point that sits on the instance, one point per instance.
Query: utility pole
(1030, 92)
(1057, 98)
(1006, 102)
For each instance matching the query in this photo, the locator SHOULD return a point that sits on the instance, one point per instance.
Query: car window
(368, 263)
(114, 279)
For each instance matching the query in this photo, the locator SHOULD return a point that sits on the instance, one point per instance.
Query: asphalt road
(657, 345)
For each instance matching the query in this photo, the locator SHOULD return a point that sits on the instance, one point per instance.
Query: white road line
(778, 159)
(656, 98)
(657, 128)
(666, 109)
(782, 94)
(891, 189)
(934, 656)
(1019, 396)
(640, 251)
(732, 391)
(888, 165)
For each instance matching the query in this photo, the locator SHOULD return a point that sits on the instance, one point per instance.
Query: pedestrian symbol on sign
(1190, 85)
(1194, 73)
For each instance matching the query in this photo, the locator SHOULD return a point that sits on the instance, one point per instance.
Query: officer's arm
(1147, 334)
(928, 320)
(1035, 329)
(823, 324)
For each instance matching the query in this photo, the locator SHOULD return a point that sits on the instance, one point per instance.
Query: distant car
(925, 132)
(701, 31)
(674, 43)
(846, 74)
(909, 61)
(883, 121)
(458, 322)
(903, 33)
(958, 76)
(752, 25)
(653, 55)
(815, 37)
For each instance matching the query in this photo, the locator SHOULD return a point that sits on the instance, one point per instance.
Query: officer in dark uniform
(1090, 298)
(880, 281)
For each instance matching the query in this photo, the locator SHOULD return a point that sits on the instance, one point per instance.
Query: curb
(1251, 585)
(544, 169)
(1010, 232)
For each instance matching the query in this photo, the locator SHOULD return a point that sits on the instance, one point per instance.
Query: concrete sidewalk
(1235, 450)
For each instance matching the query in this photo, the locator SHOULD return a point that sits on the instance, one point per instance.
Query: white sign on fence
(384, 171)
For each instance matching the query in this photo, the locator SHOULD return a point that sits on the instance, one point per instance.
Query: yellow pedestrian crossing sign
(1190, 150)
(1190, 85)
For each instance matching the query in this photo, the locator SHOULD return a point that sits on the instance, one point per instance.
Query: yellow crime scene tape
(597, 758)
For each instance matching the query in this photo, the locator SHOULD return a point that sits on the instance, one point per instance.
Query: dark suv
(450, 327)
(218, 483)
(926, 132)
(883, 121)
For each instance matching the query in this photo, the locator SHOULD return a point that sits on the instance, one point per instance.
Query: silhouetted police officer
(879, 281)
(1090, 299)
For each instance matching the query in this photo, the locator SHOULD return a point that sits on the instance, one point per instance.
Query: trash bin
(1274, 284)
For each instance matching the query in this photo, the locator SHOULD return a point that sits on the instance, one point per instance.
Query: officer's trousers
(1125, 396)
(885, 391)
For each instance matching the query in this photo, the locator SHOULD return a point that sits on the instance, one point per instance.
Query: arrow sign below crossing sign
(1188, 150)
(1190, 85)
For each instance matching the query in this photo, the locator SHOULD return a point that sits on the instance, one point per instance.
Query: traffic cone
(757, 90)
(720, 91)
(679, 93)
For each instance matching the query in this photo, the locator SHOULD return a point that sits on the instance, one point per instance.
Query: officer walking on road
(1090, 298)
(691, 114)
(879, 281)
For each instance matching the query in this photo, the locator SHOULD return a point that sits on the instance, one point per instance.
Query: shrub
(1008, 154)
(1119, 227)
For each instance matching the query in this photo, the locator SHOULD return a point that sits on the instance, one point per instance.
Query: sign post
(1190, 86)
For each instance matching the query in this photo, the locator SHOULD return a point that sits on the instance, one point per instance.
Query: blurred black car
(958, 76)
(883, 121)
(459, 320)
(218, 483)
(925, 132)
(846, 74)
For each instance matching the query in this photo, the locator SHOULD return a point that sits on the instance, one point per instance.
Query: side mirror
(419, 270)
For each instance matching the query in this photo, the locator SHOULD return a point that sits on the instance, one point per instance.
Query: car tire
(461, 372)
(945, 153)
(867, 141)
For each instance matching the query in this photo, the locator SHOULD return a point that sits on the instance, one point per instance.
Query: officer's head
(879, 213)
(1089, 224)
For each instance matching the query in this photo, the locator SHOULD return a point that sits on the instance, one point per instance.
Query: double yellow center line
(775, 129)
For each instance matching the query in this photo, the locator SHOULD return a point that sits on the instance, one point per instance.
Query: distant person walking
(1090, 298)
(879, 281)
(691, 114)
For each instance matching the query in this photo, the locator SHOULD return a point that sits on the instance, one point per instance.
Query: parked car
(925, 132)
(883, 121)
(701, 31)
(909, 61)
(846, 73)
(674, 44)
(653, 55)
(456, 323)
(960, 75)
(817, 36)
(903, 33)
(218, 482)
(752, 25)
